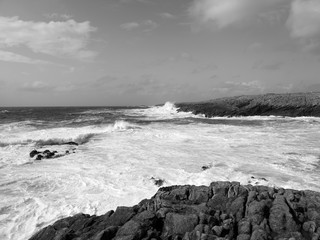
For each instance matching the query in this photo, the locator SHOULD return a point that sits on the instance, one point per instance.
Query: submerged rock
(158, 181)
(223, 210)
(47, 154)
(33, 153)
(206, 167)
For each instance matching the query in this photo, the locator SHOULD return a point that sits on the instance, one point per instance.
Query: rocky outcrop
(47, 154)
(224, 210)
(290, 104)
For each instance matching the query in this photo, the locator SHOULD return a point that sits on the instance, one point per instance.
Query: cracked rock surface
(223, 210)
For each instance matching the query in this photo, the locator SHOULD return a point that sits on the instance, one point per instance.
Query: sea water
(122, 150)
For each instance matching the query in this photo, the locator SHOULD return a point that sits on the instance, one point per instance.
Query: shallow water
(121, 149)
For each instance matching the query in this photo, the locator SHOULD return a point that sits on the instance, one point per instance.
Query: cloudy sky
(132, 52)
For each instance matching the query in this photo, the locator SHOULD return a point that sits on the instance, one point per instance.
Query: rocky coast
(223, 210)
(290, 104)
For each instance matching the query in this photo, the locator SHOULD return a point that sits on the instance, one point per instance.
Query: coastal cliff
(223, 210)
(290, 104)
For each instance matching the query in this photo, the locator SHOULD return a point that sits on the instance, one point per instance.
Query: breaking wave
(81, 139)
(60, 136)
(166, 111)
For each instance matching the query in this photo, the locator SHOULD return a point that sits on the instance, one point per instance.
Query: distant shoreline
(287, 104)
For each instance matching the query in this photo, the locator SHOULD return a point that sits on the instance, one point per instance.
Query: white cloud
(56, 38)
(147, 25)
(150, 25)
(231, 12)
(270, 66)
(166, 15)
(57, 16)
(130, 26)
(36, 86)
(304, 22)
(13, 57)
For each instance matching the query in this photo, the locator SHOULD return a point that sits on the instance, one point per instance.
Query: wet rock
(33, 153)
(47, 154)
(206, 167)
(39, 157)
(195, 213)
(71, 143)
(158, 181)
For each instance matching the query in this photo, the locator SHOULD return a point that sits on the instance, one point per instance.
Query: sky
(145, 52)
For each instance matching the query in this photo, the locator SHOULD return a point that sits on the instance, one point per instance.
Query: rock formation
(290, 104)
(224, 210)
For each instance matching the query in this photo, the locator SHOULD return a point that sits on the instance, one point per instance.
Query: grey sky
(132, 52)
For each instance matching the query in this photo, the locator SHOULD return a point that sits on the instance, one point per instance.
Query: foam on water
(116, 164)
(166, 111)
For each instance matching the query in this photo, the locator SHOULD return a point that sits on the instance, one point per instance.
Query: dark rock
(158, 181)
(71, 143)
(39, 157)
(178, 224)
(206, 167)
(224, 210)
(33, 153)
(289, 104)
(106, 234)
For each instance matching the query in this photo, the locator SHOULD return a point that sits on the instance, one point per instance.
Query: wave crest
(81, 139)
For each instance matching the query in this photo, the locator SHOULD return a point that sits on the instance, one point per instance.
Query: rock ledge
(289, 104)
(223, 210)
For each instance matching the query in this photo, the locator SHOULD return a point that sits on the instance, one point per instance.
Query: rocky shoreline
(223, 210)
(290, 104)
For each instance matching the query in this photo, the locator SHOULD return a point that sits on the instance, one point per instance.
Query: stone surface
(223, 210)
(290, 104)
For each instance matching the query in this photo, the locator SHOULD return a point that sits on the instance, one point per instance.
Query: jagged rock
(47, 154)
(39, 157)
(179, 224)
(206, 167)
(33, 153)
(289, 104)
(158, 181)
(197, 213)
(71, 143)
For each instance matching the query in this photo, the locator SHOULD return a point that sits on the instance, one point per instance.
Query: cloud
(166, 15)
(36, 86)
(150, 25)
(132, 1)
(232, 12)
(56, 38)
(147, 25)
(304, 23)
(2, 82)
(13, 57)
(270, 66)
(57, 16)
(234, 88)
(104, 81)
(130, 26)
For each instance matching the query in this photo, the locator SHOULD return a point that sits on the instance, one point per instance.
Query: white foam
(117, 165)
(166, 111)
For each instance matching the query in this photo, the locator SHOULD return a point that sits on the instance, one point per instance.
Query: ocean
(125, 153)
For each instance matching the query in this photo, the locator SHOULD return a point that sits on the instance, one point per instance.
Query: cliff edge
(289, 104)
(223, 210)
